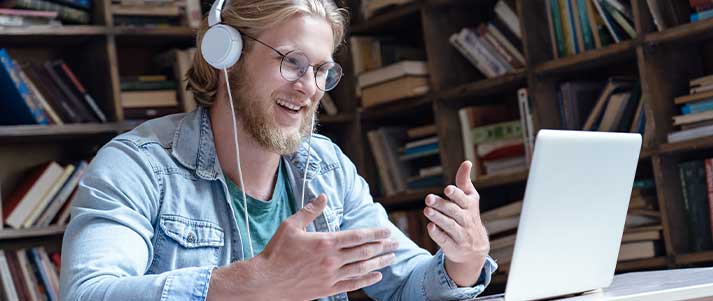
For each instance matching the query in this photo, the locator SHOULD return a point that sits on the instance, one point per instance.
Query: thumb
(463, 177)
(309, 212)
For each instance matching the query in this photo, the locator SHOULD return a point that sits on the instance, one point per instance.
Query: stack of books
(156, 12)
(494, 48)
(696, 118)
(580, 25)
(148, 96)
(176, 62)
(406, 158)
(703, 9)
(44, 12)
(44, 93)
(401, 80)
(616, 105)
(29, 274)
(43, 196)
(493, 140)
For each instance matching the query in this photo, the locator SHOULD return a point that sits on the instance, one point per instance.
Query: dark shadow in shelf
(48, 132)
(336, 119)
(389, 22)
(41, 36)
(394, 108)
(175, 35)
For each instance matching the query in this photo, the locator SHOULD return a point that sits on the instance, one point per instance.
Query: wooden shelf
(397, 107)
(485, 87)
(8, 234)
(162, 31)
(686, 146)
(683, 33)
(381, 22)
(693, 258)
(589, 59)
(642, 264)
(44, 36)
(498, 180)
(19, 132)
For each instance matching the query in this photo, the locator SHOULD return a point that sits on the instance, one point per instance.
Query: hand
(456, 227)
(300, 265)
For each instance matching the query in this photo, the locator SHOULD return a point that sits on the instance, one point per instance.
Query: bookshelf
(663, 61)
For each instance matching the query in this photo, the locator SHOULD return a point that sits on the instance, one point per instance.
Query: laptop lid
(573, 213)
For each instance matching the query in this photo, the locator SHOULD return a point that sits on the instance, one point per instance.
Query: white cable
(309, 149)
(237, 155)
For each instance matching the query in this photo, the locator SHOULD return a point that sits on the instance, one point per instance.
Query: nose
(307, 84)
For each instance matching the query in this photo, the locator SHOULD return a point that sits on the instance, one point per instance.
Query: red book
(9, 205)
(696, 3)
(709, 186)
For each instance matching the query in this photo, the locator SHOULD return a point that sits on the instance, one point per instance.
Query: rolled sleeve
(439, 286)
(190, 284)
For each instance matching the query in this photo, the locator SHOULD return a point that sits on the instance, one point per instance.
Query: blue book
(83, 4)
(17, 100)
(697, 107)
(421, 149)
(702, 15)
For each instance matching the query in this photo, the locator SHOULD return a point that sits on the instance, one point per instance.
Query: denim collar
(194, 147)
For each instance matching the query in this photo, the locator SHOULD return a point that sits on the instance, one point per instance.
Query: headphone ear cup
(222, 46)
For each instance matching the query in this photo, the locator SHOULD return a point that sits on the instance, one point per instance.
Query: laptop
(573, 214)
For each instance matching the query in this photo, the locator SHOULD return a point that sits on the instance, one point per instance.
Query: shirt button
(191, 237)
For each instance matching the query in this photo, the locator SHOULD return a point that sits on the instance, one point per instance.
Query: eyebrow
(285, 49)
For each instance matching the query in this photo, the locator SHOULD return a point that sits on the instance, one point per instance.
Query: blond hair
(253, 17)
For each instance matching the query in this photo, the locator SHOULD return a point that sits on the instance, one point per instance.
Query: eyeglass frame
(314, 67)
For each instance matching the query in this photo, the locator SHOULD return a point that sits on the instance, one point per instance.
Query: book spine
(701, 15)
(584, 24)
(607, 21)
(709, 189)
(697, 107)
(557, 24)
(80, 88)
(504, 130)
(21, 88)
(67, 92)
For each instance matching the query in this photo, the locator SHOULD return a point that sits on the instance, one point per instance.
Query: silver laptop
(573, 213)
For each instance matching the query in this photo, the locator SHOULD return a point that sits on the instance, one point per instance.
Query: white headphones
(222, 44)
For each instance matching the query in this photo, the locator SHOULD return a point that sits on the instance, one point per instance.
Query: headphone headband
(214, 16)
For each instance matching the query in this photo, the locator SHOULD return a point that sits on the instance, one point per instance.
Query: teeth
(288, 105)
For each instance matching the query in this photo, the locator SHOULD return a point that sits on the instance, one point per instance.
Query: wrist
(238, 280)
(465, 274)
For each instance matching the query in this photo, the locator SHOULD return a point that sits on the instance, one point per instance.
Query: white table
(666, 285)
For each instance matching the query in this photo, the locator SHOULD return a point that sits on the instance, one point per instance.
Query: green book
(496, 131)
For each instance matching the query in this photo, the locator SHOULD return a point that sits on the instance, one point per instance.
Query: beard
(253, 116)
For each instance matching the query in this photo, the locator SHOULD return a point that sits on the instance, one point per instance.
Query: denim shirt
(152, 218)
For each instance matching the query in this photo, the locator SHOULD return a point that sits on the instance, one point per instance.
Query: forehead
(310, 34)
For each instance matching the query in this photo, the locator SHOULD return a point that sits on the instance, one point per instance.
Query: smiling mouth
(289, 106)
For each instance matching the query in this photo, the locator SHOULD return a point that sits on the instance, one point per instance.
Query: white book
(421, 142)
(479, 63)
(42, 204)
(475, 45)
(501, 225)
(657, 15)
(62, 196)
(692, 118)
(30, 200)
(702, 89)
(393, 71)
(510, 210)
(504, 41)
(7, 285)
(26, 270)
(606, 21)
(468, 145)
(636, 250)
(690, 134)
(701, 80)
(508, 16)
(526, 123)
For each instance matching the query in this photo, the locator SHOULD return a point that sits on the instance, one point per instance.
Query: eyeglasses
(295, 64)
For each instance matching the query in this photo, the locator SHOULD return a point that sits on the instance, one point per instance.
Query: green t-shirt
(264, 216)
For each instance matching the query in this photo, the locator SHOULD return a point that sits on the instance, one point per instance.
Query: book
(689, 134)
(62, 197)
(636, 250)
(78, 87)
(497, 131)
(692, 118)
(65, 88)
(657, 14)
(30, 192)
(509, 210)
(156, 98)
(146, 10)
(48, 196)
(19, 107)
(528, 129)
(404, 87)
(421, 131)
(8, 286)
(507, 14)
(695, 200)
(394, 71)
(65, 13)
(613, 85)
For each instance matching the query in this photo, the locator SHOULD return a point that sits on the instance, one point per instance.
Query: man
(161, 215)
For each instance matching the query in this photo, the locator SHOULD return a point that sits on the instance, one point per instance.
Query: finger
(463, 177)
(367, 251)
(459, 197)
(445, 223)
(309, 212)
(357, 283)
(451, 209)
(365, 266)
(352, 238)
(440, 237)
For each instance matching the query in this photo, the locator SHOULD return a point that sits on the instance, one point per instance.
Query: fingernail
(449, 190)
(429, 200)
(429, 211)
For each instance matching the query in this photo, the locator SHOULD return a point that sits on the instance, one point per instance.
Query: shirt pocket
(186, 242)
